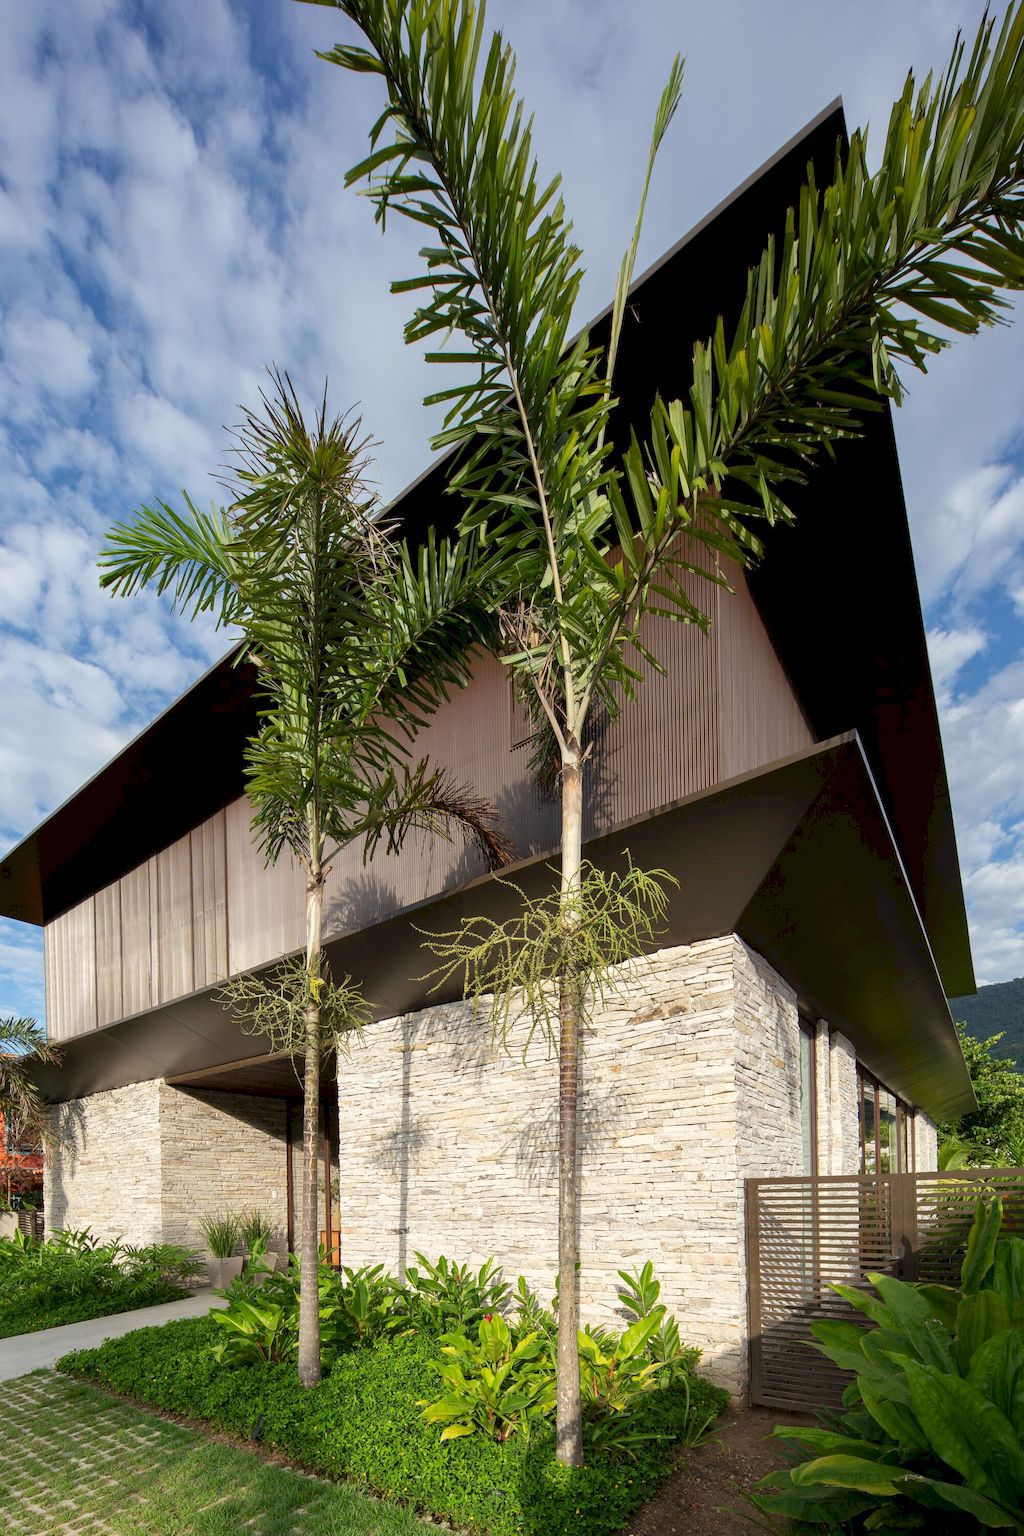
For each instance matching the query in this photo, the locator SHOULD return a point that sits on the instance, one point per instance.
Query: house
(787, 770)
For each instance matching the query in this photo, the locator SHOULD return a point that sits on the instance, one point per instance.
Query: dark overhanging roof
(797, 858)
(838, 594)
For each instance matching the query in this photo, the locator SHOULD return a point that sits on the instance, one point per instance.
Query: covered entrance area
(279, 1079)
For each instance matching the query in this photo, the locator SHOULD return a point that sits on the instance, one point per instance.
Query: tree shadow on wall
(62, 1155)
(534, 1146)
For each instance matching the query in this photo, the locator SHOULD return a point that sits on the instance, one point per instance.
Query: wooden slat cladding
(138, 952)
(207, 906)
(109, 961)
(760, 718)
(209, 902)
(71, 971)
(264, 906)
(174, 925)
(805, 1235)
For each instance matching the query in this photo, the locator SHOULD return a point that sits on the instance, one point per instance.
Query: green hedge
(363, 1422)
(25, 1315)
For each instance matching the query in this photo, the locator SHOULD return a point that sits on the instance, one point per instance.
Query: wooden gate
(806, 1234)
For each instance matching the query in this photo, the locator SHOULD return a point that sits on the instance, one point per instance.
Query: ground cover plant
(77, 1462)
(427, 1397)
(931, 1437)
(73, 1277)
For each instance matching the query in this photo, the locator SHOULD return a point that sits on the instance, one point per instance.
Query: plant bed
(73, 1278)
(365, 1423)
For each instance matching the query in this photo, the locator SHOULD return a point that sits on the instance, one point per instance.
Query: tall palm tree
(355, 643)
(872, 272)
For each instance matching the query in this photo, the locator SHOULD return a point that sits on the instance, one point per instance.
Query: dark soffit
(798, 859)
(838, 594)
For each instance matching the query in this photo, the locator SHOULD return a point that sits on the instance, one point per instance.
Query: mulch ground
(707, 1495)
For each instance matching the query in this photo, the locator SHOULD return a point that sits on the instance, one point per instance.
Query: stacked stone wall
(104, 1169)
(220, 1154)
(689, 1083)
(926, 1143)
(148, 1161)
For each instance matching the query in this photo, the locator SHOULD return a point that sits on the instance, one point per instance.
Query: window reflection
(884, 1129)
(869, 1132)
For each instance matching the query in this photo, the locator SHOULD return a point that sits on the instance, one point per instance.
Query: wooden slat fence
(806, 1234)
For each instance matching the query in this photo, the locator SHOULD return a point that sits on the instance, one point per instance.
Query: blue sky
(172, 219)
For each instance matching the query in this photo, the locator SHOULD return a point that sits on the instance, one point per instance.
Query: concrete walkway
(36, 1351)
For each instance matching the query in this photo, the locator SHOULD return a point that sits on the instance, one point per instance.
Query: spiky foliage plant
(516, 966)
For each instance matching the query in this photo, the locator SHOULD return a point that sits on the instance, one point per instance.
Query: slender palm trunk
(309, 1302)
(569, 1440)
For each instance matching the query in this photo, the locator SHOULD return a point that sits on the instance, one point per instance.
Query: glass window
(886, 1130)
(868, 1131)
(887, 1148)
(808, 1116)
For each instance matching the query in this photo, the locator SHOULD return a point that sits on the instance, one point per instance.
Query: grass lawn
(75, 1462)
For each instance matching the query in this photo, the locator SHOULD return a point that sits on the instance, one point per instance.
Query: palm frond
(23, 1044)
(422, 798)
(193, 556)
(872, 273)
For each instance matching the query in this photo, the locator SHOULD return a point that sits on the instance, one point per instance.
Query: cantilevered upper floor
(147, 881)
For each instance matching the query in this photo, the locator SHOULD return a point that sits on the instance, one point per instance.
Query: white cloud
(43, 352)
(170, 440)
(949, 651)
(975, 540)
(983, 732)
(21, 970)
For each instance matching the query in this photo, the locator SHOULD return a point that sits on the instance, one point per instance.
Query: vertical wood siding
(758, 712)
(207, 906)
(70, 946)
(174, 921)
(264, 906)
(209, 902)
(109, 963)
(137, 950)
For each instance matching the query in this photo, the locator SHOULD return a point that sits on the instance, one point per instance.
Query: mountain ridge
(996, 1009)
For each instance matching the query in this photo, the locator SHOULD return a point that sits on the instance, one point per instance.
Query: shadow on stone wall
(67, 1123)
(534, 1148)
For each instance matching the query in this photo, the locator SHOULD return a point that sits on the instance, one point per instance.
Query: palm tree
(23, 1044)
(873, 272)
(355, 643)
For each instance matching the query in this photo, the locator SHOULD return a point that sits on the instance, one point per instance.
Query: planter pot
(269, 1263)
(226, 1270)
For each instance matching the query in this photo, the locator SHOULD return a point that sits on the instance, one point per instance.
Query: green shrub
(261, 1321)
(639, 1298)
(364, 1422)
(931, 1438)
(74, 1276)
(447, 1297)
(497, 1383)
(254, 1233)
